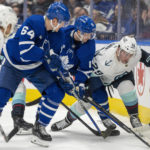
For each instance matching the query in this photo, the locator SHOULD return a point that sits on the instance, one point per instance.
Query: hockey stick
(109, 91)
(92, 130)
(77, 97)
(116, 120)
(103, 133)
(10, 135)
(108, 130)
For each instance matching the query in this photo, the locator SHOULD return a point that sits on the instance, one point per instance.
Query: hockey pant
(49, 104)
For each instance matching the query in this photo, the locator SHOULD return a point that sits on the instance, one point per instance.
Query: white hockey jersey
(1, 40)
(107, 66)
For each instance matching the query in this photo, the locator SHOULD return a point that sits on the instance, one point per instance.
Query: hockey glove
(80, 90)
(66, 86)
(52, 60)
(55, 62)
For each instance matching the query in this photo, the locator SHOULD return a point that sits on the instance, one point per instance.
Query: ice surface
(75, 137)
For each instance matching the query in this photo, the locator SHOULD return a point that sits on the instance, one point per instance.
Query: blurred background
(113, 18)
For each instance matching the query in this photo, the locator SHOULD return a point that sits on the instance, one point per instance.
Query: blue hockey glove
(80, 90)
(55, 62)
(66, 86)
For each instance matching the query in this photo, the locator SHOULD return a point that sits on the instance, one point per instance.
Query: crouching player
(113, 65)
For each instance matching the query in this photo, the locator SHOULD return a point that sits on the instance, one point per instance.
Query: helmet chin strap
(10, 32)
(53, 27)
(6, 35)
(118, 55)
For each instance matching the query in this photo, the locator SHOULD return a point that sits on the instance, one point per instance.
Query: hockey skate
(25, 128)
(40, 136)
(110, 127)
(109, 124)
(135, 121)
(137, 125)
(60, 125)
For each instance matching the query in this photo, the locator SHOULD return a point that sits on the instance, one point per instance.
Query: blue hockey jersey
(77, 56)
(26, 50)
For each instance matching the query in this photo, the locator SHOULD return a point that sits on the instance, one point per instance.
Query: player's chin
(57, 29)
(84, 41)
(124, 62)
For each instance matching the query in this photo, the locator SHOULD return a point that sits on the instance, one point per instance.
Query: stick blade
(3, 133)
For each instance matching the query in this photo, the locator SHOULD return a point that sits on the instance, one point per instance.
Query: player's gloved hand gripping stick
(68, 79)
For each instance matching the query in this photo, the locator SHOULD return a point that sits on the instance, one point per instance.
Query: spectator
(86, 5)
(106, 7)
(3, 2)
(42, 4)
(17, 8)
(9, 2)
(128, 25)
(38, 11)
(148, 16)
(29, 11)
(77, 12)
(71, 4)
(100, 21)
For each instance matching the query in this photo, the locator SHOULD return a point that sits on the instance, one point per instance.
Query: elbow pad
(145, 58)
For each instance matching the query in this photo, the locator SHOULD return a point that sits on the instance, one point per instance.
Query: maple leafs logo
(65, 62)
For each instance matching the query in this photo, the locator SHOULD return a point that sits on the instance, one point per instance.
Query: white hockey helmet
(128, 44)
(7, 16)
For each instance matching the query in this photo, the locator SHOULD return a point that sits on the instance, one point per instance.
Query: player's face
(124, 57)
(57, 25)
(54, 25)
(84, 37)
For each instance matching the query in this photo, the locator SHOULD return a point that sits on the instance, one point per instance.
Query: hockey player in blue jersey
(27, 52)
(76, 56)
(81, 48)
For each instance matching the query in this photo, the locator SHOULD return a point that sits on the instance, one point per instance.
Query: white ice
(75, 137)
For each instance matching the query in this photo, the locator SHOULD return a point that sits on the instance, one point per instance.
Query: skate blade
(142, 128)
(24, 132)
(37, 141)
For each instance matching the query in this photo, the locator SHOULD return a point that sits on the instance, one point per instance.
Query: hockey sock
(18, 110)
(40, 104)
(132, 109)
(70, 117)
(49, 106)
(131, 102)
(47, 111)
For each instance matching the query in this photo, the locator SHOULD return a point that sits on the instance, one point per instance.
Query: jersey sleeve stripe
(26, 50)
(26, 42)
(23, 60)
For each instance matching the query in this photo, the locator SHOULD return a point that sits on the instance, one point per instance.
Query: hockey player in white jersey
(113, 65)
(8, 23)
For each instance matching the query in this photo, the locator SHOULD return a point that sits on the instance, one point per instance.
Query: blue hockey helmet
(58, 10)
(85, 24)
